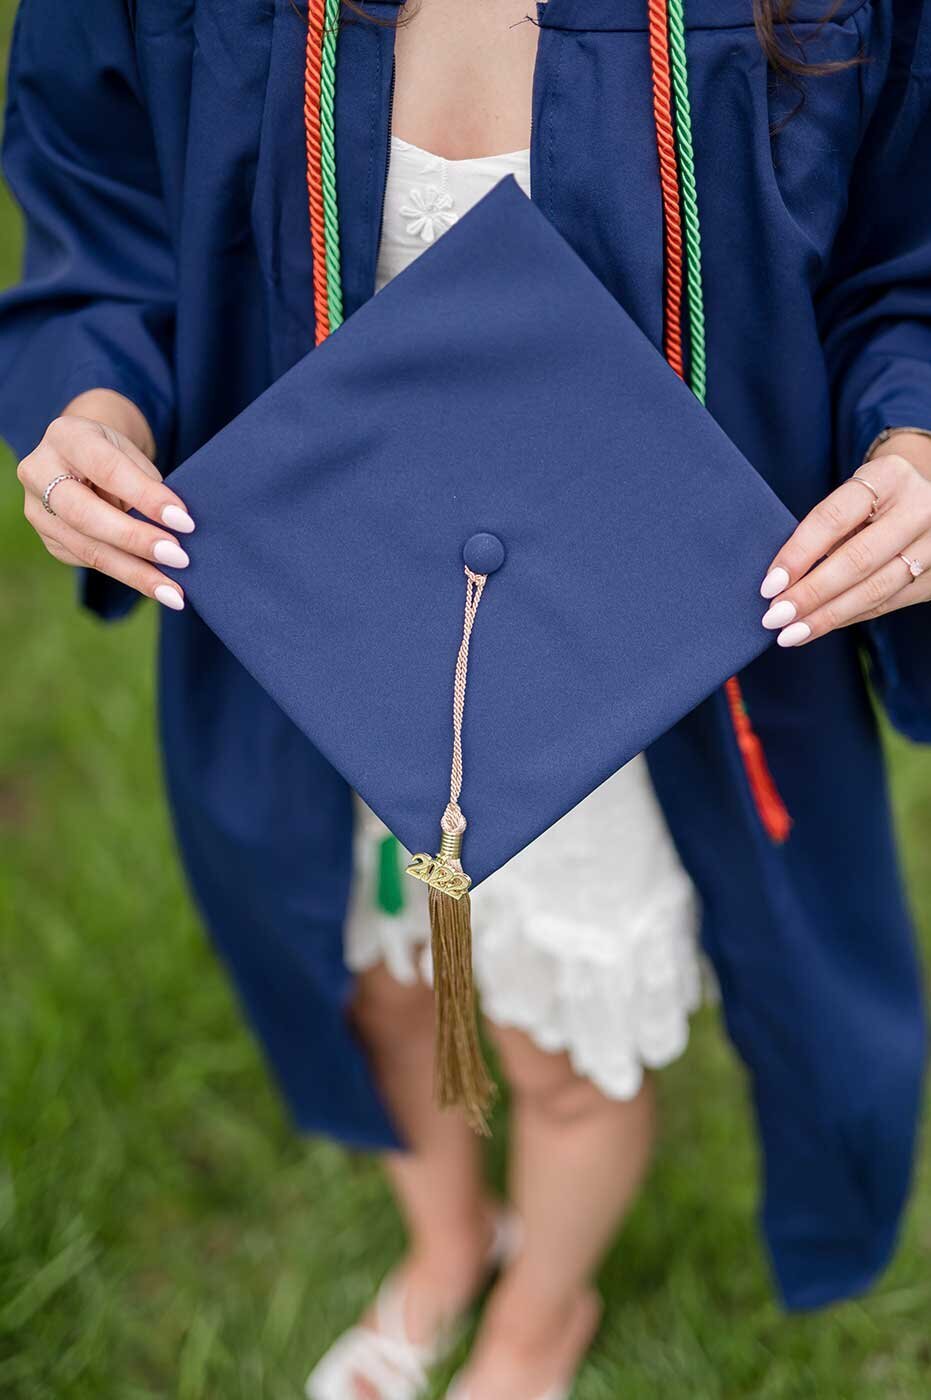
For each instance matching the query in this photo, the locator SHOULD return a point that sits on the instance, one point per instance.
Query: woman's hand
(872, 537)
(104, 441)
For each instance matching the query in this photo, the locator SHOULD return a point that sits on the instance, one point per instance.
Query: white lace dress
(586, 940)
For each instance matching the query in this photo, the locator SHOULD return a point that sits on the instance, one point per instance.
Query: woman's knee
(545, 1082)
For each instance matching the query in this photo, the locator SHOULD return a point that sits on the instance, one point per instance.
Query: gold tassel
(461, 1075)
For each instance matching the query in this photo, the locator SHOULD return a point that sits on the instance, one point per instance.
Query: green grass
(164, 1234)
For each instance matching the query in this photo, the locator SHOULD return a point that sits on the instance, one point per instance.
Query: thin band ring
(914, 566)
(862, 481)
(56, 481)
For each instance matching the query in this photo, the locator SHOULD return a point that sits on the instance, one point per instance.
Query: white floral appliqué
(429, 213)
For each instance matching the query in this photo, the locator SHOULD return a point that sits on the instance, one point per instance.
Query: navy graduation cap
(482, 546)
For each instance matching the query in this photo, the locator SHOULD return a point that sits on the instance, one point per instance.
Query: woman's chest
(464, 76)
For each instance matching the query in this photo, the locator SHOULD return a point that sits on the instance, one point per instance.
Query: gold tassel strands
(460, 1074)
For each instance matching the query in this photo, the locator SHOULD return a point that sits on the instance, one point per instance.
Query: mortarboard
(488, 452)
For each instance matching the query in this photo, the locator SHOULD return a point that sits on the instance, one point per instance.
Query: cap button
(483, 553)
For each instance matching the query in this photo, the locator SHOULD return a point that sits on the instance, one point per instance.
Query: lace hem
(615, 1014)
(616, 999)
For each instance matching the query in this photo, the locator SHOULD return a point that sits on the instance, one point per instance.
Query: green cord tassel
(328, 161)
(390, 896)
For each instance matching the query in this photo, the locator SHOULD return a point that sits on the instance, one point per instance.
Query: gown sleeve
(875, 313)
(95, 304)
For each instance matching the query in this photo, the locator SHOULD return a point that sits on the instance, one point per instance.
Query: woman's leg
(577, 1159)
(439, 1182)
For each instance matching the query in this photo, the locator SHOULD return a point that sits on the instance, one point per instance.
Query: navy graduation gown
(156, 148)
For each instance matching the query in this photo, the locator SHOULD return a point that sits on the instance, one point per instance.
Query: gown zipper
(540, 8)
(384, 188)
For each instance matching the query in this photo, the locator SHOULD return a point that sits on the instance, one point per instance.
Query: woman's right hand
(90, 525)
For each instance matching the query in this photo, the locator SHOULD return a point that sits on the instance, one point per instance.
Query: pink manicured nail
(167, 552)
(774, 582)
(794, 635)
(169, 597)
(177, 519)
(779, 614)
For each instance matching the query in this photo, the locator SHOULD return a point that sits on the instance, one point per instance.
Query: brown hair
(784, 50)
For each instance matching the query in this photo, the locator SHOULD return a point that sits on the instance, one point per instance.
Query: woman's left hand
(857, 555)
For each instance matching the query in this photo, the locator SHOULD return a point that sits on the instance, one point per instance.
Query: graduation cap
(482, 546)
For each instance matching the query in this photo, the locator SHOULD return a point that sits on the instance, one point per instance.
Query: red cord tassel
(771, 809)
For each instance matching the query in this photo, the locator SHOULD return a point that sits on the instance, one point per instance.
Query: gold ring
(914, 566)
(862, 481)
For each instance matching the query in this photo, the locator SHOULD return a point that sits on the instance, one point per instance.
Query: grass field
(163, 1233)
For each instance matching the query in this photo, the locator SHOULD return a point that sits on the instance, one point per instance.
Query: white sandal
(384, 1355)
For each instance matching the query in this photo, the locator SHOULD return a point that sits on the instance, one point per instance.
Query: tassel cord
(453, 822)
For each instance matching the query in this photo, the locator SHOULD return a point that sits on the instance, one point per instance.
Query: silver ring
(914, 566)
(862, 481)
(56, 481)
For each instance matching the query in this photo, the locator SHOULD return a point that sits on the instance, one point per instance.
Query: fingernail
(774, 582)
(177, 519)
(169, 597)
(794, 635)
(167, 552)
(779, 614)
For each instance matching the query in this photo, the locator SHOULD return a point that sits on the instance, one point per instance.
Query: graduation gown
(156, 148)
